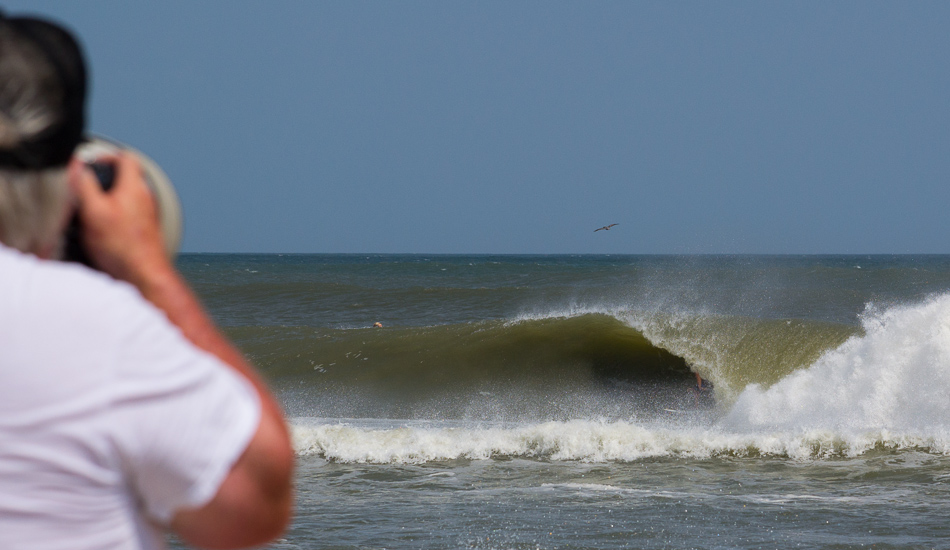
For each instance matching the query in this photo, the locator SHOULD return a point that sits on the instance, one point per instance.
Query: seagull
(607, 227)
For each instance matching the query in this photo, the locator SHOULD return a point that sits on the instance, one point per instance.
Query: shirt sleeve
(180, 417)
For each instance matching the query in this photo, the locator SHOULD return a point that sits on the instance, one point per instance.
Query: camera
(91, 151)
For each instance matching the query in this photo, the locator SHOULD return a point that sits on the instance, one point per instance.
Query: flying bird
(606, 227)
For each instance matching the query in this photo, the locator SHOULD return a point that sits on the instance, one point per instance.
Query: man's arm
(122, 236)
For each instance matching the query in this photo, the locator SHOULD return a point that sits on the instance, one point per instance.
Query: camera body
(91, 151)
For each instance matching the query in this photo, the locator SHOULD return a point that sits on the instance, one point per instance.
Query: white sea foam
(586, 441)
(597, 488)
(894, 379)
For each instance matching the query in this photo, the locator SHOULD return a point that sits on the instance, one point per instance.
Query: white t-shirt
(109, 419)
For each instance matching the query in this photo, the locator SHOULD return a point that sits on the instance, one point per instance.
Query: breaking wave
(803, 390)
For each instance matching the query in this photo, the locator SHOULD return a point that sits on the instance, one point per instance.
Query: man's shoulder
(52, 277)
(53, 293)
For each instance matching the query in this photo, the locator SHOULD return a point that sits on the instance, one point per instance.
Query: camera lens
(166, 199)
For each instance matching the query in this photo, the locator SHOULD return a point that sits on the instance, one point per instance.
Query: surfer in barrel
(703, 390)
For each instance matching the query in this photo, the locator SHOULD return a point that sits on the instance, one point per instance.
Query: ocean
(542, 402)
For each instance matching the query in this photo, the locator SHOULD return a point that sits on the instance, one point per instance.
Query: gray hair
(33, 203)
(32, 208)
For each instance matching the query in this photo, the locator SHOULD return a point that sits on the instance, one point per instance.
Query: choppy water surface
(550, 401)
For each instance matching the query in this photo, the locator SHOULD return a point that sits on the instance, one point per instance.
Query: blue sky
(520, 127)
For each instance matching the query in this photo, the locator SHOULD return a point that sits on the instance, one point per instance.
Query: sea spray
(735, 351)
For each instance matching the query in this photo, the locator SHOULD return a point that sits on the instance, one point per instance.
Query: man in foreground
(123, 410)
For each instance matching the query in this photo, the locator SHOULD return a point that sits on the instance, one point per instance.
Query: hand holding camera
(120, 229)
(128, 218)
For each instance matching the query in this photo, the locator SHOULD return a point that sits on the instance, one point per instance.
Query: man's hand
(120, 228)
